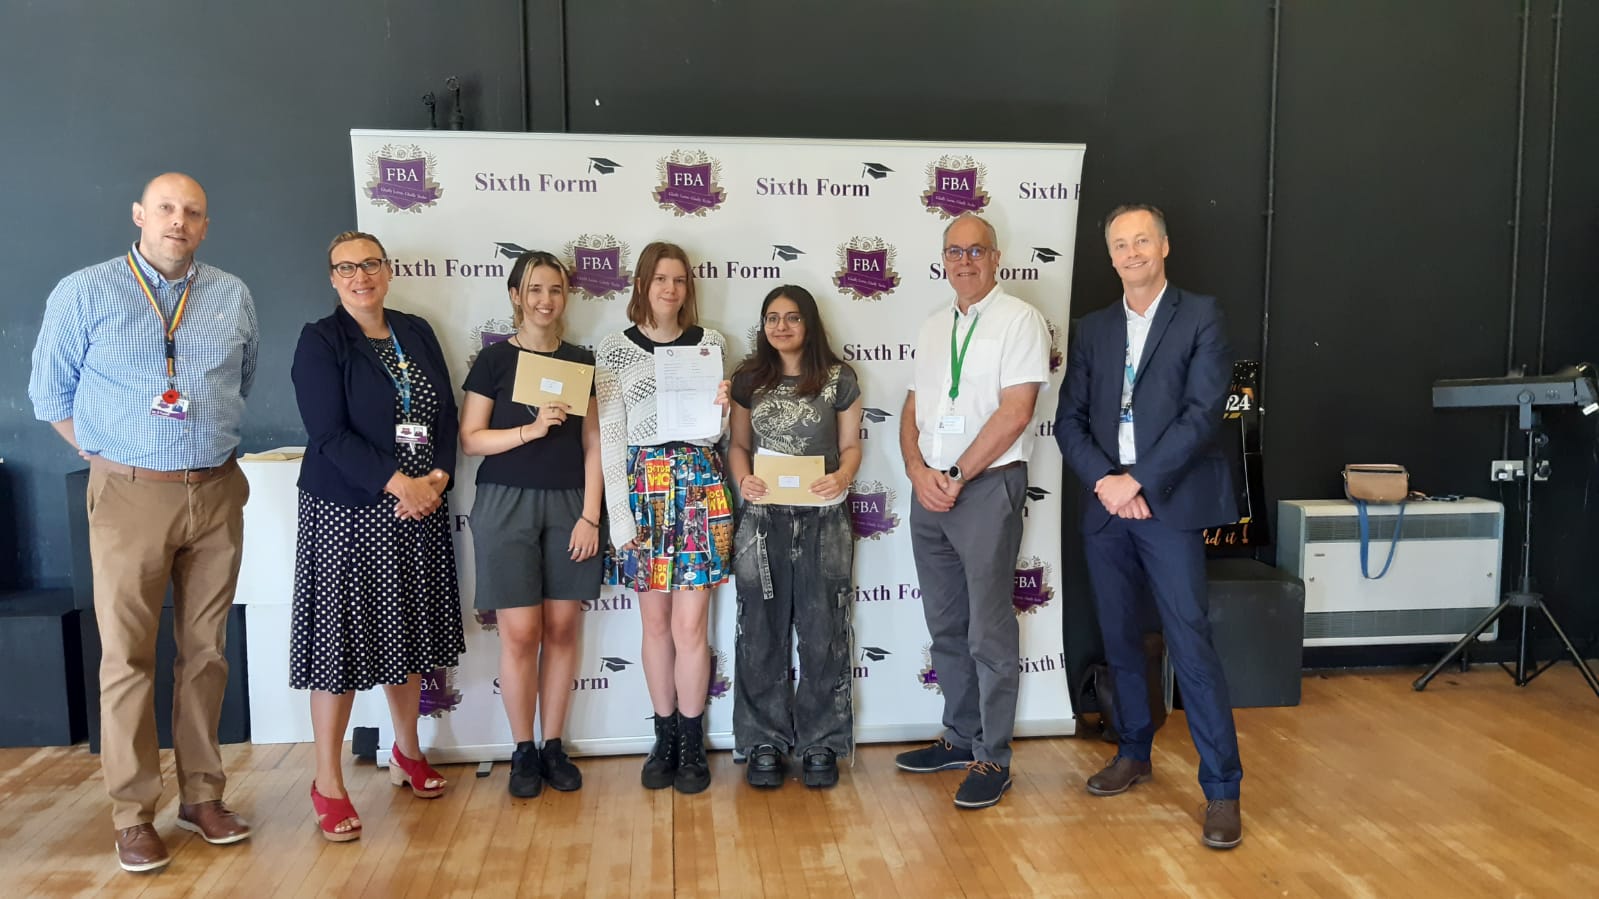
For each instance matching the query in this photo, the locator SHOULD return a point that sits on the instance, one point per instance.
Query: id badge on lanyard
(406, 433)
(948, 421)
(170, 403)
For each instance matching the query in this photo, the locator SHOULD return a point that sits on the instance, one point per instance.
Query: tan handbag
(1375, 483)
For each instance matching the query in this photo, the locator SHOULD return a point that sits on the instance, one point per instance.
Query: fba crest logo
(402, 178)
(690, 183)
(495, 330)
(955, 187)
(866, 268)
(599, 266)
(439, 696)
(871, 510)
(1032, 590)
(928, 677)
(719, 686)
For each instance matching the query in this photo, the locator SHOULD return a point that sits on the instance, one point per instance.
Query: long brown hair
(764, 366)
(638, 308)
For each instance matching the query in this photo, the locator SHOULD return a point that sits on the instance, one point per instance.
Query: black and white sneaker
(527, 774)
(985, 782)
(559, 772)
(941, 756)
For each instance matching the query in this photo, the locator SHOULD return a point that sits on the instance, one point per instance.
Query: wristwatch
(955, 473)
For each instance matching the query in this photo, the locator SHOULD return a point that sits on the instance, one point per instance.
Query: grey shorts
(519, 542)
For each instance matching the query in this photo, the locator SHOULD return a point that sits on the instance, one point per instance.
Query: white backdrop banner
(859, 225)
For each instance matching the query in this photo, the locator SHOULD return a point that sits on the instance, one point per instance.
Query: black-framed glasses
(974, 253)
(794, 319)
(347, 269)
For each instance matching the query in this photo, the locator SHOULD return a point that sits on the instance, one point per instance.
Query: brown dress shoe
(1224, 826)
(139, 848)
(213, 821)
(1119, 776)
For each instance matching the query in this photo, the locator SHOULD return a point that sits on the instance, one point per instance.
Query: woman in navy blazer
(375, 596)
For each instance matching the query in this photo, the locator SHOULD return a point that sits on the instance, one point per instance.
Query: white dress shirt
(1010, 346)
(1137, 334)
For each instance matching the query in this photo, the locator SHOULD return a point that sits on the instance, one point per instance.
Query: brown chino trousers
(143, 533)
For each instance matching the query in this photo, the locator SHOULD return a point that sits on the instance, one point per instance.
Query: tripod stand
(1522, 597)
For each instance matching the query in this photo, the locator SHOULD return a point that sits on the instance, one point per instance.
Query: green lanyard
(958, 360)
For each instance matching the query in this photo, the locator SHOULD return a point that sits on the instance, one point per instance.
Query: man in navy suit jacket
(1137, 422)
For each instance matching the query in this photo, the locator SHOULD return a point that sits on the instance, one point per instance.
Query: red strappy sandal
(331, 812)
(417, 773)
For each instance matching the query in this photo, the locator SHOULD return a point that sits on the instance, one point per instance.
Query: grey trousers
(792, 567)
(966, 562)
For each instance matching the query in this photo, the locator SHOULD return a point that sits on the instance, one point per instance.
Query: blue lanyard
(402, 381)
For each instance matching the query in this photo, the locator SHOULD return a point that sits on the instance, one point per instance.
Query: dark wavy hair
(764, 366)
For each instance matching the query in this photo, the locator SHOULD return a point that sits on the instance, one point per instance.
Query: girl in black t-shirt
(535, 520)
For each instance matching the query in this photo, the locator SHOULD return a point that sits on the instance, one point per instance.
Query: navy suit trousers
(1123, 556)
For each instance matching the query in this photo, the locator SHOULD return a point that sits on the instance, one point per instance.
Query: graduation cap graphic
(875, 653)
(613, 663)
(1036, 493)
(786, 253)
(877, 170)
(510, 250)
(876, 415)
(602, 165)
(1045, 254)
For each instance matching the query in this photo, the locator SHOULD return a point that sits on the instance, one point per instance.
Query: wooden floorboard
(1368, 789)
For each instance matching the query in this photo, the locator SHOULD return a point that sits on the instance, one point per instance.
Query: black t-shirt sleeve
(740, 391)
(849, 389)
(484, 377)
(571, 352)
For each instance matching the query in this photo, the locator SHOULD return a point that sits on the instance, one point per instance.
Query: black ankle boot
(661, 767)
(693, 771)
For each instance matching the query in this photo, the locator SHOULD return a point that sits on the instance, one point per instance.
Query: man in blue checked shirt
(142, 365)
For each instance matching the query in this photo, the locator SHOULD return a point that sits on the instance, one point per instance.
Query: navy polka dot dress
(375, 596)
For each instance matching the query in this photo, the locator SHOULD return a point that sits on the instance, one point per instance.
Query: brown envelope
(543, 379)
(789, 478)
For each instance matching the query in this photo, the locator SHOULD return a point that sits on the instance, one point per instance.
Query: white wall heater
(1444, 578)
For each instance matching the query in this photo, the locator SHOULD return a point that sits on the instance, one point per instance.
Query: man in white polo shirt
(964, 434)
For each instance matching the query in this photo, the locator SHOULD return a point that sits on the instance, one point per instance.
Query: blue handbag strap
(1365, 541)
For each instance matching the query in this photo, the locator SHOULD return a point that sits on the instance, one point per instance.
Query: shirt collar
(977, 307)
(156, 278)
(1149, 314)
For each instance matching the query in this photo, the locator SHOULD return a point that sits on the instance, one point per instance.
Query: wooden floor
(1473, 788)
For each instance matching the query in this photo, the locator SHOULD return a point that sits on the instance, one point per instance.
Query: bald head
(172, 219)
(173, 181)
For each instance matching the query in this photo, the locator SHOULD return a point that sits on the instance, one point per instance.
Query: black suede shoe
(940, 756)
(985, 783)
(660, 769)
(693, 770)
(766, 767)
(820, 767)
(559, 772)
(527, 775)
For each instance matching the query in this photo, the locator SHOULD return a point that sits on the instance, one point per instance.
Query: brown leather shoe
(139, 848)
(1119, 776)
(1224, 825)
(213, 821)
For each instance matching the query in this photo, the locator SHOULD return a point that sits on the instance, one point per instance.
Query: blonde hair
(516, 284)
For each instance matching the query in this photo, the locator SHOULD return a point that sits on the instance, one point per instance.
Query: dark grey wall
(1402, 131)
